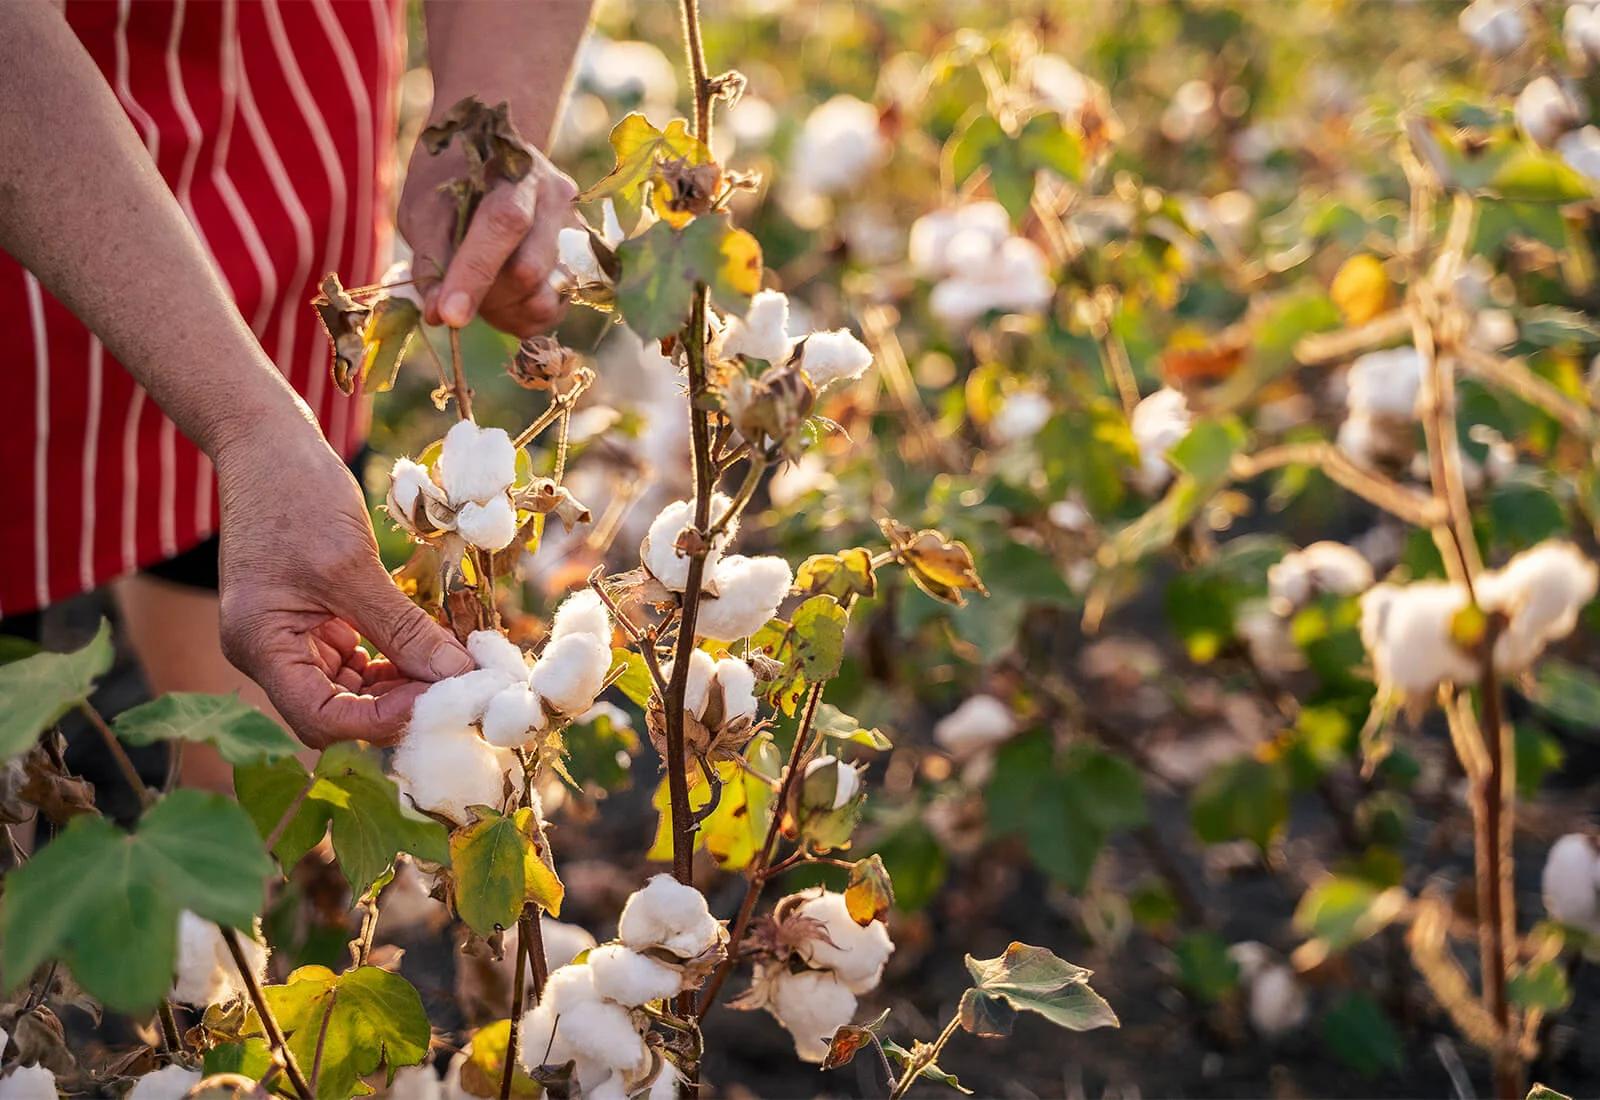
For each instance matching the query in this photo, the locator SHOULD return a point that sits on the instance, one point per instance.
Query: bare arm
(84, 209)
(521, 54)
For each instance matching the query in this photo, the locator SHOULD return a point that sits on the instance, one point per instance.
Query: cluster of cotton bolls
(1322, 568)
(740, 593)
(720, 701)
(828, 960)
(839, 145)
(1571, 883)
(1495, 26)
(1552, 116)
(666, 941)
(1158, 423)
(977, 265)
(1407, 628)
(764, 333)
(1277, 1001)
(467, 491)
(445, 765)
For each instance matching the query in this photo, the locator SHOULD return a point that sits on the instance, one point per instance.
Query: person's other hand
(301, 582)
(502, 269)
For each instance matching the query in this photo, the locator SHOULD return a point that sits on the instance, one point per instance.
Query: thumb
(416, 645)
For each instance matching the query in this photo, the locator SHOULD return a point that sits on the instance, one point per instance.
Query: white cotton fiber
(749, 592)
(476, 464)
(445, 771)
(409, 482)
(1158, 423)
(171, 1082)
(697, 687)
(838, 145)
(979, 723)
(1571, 882)
(493, 650)
(831, 356)
(1406, 629)
(629, 978)
(668, 914)
(491, 526)
(763, 331)
(205, 970)
(571, 672)
(449, 705)
(1278, 1003)
(28, 1083)
(569, 986)
(812, 1005)
(575, 252)
(738, 683)
(563, 942)
(1321, 567)
(659, 550)
(857, 955)
(512, 717)
(583, 612)
(1541, 590)
(847, 780)
(1385, 383)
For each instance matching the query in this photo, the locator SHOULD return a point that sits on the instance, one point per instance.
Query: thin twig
(1413, 507)
(290, 811)
(518, 997)
(322, 1038)
(926, 1058)
(269, 1022)
(458, 377)
(130, 774)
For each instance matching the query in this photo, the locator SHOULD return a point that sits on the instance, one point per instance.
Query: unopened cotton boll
(659, 551)
(1495, 26)
(856, 954)
(451, 704)
(1278, 1003)
(1545, 110)
(979, 723)
(446, 771)
(629, 978)
(173, 1082)
(491, 526)
(476, 463)
(28, 1083)
(1385, 383)
(584, 613)
(838, 145)
(1406, 631)
(1158, 423)
(763, 331)
(1541, 591)
(834, 356)
(1570, 882)
(1326, 566)
(812, 1005)
(668, 914)
(847, 779)
(513, 716)
(571, 672)
(1021, 417)
(205, 971)
(749, 591)
(1581, 150)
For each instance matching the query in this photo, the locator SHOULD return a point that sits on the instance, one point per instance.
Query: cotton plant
(977, 264)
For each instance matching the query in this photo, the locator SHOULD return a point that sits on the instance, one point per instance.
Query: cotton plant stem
(130, 774)
(170, 1036)
(1513, 376)
(1418, 509)
(1496, 900)
(458, 377)
(269, 1023)
(1114, 356)
(518, 998)
(915, 1067)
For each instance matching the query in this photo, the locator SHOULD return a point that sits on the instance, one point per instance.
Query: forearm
(83, 207)
(520, 53)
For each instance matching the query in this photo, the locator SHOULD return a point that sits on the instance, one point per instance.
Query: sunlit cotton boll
(171, 1082)
(629, 978)
(417, 1083)
(1058, 85)
(575, 253)
(1580, 31)
(28, 1083)
(1495, 26)
(933, 234)
(599, 1035)
(659, 550)
(856, 954)
(1545, 111)
(1541, 591)
(1385, 383)
(838, 145)
(512, 716)
(1013, 278)
(1278, 1002)
(1571, 882)
(571, 672)
(1406, 631)
(812, 1005)
(491, 526)
(454, 703)
(1021, 416)
(749, 591)
(980, 722)
(832, 356)
(1581, 150)
(633, 72)
(763, 331)
(446, 771)
(476, 464)
(733, 677)
(492, 650)
(206, 973)
(1326, 566)
(670, 915)
(1158, 423)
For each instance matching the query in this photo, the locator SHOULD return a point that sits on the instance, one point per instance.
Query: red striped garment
(273, 123)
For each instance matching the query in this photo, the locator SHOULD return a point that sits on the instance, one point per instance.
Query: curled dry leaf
(940, 566)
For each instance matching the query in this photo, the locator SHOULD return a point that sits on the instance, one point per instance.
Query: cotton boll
(1321, 567)
(668, 914)
(413, 1083)
(563, 942)
(632, 979)
(1021, 417)
(1571, 882)
(575, 253)
(812, 1005)
(634, 72)
(491, 526)
(571, 672)
(979, 723)
(1495, 26)
(28, 1083)
(1580, 31)
(451, 704)
(446, 771)
(1267, 637)
(1541, 590)
(838, 145)
(602, 1032)
(832, 356)
(1385, 383)
(847, 780)
(1581, 150)
(173, 1082)
(493, 650)
(1158, 423)
(569, 986)
(409, 486)
(749, 591)
(1406, 630)
(1278, 1003)
(857, 955)
(932, 235)
(583, 613)
(659, 551)
(763, 332)
(206, 973)
(738, 682)
(1252, 957)
(476, 463)
(697, 687)
(1545, 111)
(1012, 276)
(512, 717)
(1058, 85)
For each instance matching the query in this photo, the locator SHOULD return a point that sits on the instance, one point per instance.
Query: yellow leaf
(544, 885)
(484, 1068)
(638, 146)
(741, 263)
(1360, 289)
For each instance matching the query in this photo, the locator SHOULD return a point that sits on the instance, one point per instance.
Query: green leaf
(1568, 692)
(1529, 176)
(362, 1019)
(250, 1058)
(600, 752)
(1046, 143)
(931, 1071)
(489, 859)
(835, 723)
(1342, 911)
(818, 632)
(1244, 799)
(240, 732)
(1543, 987)
(37, 691)
(1108, 789)
(635, 680)
(1204, 966)
(1359, 1032)
(1204, 454)
(106, 902)
(348, 791)
(1031, 979)
(661, 266)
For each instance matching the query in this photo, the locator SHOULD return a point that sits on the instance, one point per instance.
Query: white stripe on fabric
(167, 514)
(91, 463)
(41, 442)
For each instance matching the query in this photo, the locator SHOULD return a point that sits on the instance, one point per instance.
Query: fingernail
(457, 309)
(449, 661)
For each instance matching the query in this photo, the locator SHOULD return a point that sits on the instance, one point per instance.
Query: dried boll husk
(543, 362)
(771, 411)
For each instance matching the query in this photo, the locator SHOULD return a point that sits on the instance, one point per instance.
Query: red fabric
(272, 121)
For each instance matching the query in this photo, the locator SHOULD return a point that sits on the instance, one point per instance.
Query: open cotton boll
(571, 672)
(847, 778)
(512, 717)
(738, 683)
(629, 978)
(932, 234)
(173, 1082)
(857, 955)
(409, 483)
(1545, 111)
(1571, 882)
(28, 1083)
(1385, 383)
(1541, 591)
(493, 650)
(812, 1005)
(575, 253)
(603, 1033)
(445, 771)
(837, 146)
(490, 526)
(1012, 276)
(563, 942)
(1158, 424)
(659, 551)
(415, 1083)
(1406, 631)
(1580, 32)
(832, 356)
(582, 613)
(1251, 956)
(1278, 1003)
(1021, 416)
(979, 723)
(476, 463)
(450, 704)
(205, 971)
(569, 986)
(697, 688)
(1324, 566)
(763, 331)
(749, 591)
(668, 914)
(1495, 26)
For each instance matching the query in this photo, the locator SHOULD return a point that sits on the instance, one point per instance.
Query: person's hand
(502, 269)
(301, 582)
